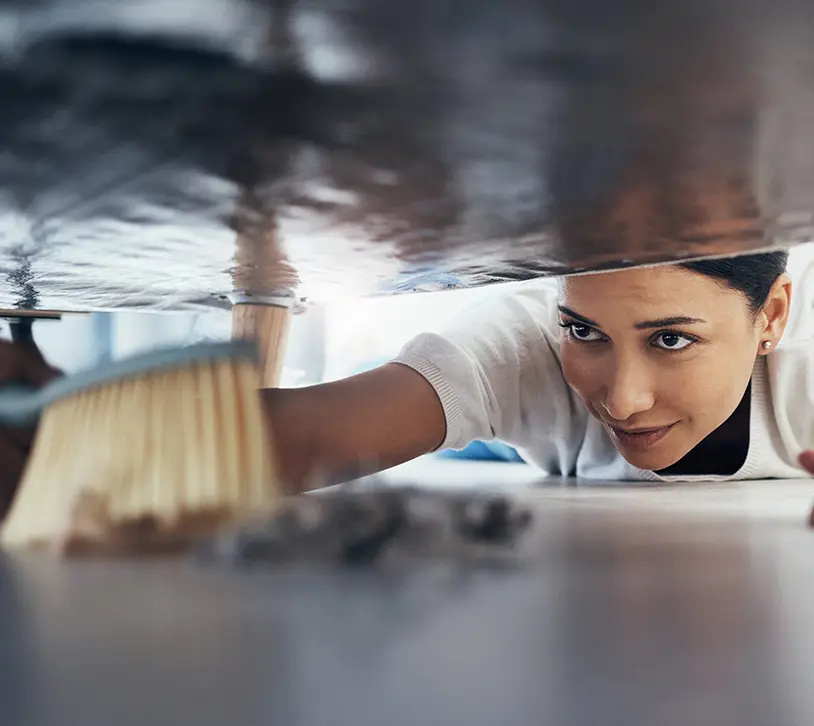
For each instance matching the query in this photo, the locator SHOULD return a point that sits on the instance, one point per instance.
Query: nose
(628, 391)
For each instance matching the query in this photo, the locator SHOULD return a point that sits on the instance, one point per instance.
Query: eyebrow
(668, 322)
(582, 319)
(643, 325)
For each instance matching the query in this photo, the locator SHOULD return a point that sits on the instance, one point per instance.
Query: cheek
(705, 391)
(582, 372)
(718, 379)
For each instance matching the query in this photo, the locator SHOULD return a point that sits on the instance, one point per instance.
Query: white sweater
(498, 375)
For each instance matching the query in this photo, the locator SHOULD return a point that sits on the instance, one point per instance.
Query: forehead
(668, 289)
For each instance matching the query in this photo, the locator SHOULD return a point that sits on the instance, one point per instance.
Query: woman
(680, 371)
(701, 369)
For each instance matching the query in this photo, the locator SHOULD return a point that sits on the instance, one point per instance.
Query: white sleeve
(498, 375)
(791, 371)
(801, 315)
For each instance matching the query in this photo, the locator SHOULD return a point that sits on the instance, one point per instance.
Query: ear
(774, 316)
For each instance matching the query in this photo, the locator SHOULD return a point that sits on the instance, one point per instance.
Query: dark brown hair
(753, 275)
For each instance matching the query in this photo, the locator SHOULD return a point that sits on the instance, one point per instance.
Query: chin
(652, 459)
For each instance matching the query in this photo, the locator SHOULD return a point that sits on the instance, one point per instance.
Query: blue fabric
(484, 451)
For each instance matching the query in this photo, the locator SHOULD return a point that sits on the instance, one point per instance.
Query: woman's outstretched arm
(335, 431)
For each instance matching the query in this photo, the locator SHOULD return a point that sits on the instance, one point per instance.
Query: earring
(767, 344)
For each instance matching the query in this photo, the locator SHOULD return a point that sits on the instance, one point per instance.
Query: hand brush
(144, 454)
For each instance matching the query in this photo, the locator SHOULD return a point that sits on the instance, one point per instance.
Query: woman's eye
(583, 332)
(672, 341)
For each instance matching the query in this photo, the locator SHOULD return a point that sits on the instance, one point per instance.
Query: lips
(639, 438)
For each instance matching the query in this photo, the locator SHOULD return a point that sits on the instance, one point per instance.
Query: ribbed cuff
(759, 436)
(446, 394)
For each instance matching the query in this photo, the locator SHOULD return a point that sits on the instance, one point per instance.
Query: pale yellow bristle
(168, 448)
(268, 325)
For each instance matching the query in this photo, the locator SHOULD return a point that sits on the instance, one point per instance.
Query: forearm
(335, 431)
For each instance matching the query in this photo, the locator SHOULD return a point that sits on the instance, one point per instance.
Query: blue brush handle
(20, 405)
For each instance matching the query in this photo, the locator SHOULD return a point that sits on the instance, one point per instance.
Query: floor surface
(651, 606)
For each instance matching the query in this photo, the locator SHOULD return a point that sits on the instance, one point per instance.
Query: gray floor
(656, 606)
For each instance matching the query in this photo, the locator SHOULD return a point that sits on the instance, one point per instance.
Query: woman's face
(662, 356)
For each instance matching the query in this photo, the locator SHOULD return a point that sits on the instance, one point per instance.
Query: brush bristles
(148, 462)
(268, 325)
